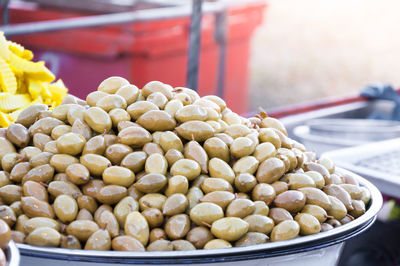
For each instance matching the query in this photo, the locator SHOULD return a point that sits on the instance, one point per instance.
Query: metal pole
(221, 38)
(109, 19)
(5, 11)
(192, 74)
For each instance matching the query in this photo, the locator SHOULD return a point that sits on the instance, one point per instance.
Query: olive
(150, 148)
(111, 194)
(40, 159)
(173, 106)
(241, 147)
(317, 178)
(117, 175)
(216, 148)
(82, 229)
(229, 228)
(57, 188)
(40, 140)
(44, 126)
(60, 162)
(366, 195)
(10, 193)
(35, 189)
(18, 237)
(270, 170)
(316, 197)
(194, 195)
(38, 222)
(182, 245)
(308, 224)
(136, 225)
(172, 156)
(77, 174)
(358, 208)
(259, 223)
(124, 207)
(215, 184)
(160, 245)
(16, 174)
(96, 164)
(152, 200)
(251, 238)
(221, 198)
(156, 234)
(217, 243)
(44, 236)
(220, 169)
(280, 187)
(338, 209)
(245, 182)
(247, 164)
(134, 136)
(223, 136)
(139, 108)
(71, 143)
(157, 86)
(156, 120)
(98, 119)
(264, 192)
(199, 236)
(326, 227)
(175, 204)
(270, 136)
(5, 177)
(154, 217)
(16, 207)
(285, 230)
(291, 200)
(177, 226)
(177, 184)
(18, 135)
(112, 84)
(328, 164)
(107, 220)
(70, 242)
(110, 102)
(151, 183)
(315, 211)
(354, 191)
(261, 208)
(206, 213)
(8, 215)
(186, 167)
(194, 151)
(84, 214)
(21, 220)
(129, 92)
(340, 193)
(156, 164)
(134, 161)
(65, 208)
(240, 208)
(28, 116)
(191, 112)
(264, 151)
(195, 130)
(126, 243)
(279, 215)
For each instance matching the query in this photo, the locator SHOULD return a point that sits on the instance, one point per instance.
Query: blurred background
(310, 49)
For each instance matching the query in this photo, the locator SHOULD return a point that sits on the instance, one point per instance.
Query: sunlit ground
(313, 49)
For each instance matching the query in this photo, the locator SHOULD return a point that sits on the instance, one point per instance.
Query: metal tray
(267, 250)
(12, 254)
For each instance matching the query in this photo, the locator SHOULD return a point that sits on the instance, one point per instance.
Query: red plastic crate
(141, 52)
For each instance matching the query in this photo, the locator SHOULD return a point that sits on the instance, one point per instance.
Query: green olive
(117, 175)
(285, 230)
(206, 213)
(182, 245)
(96, 164)
(111, 194)
(245, 182)
(134, 161)
(229, 228)
(247, 164)
(215, 184)
(126, 243)
(18, 135)
(220, 169)
(35, 189)
(216, 148)
(270, 170)
(44, 236)
(316, 211)
(98, 119)
(152, 200)
(136, 225)
(264, 192)
(199, 236)
(177, 184)
(65, 208)
(177, 226)
(160, 245)
(17, 173)
(70, 242)
(156, 120)
(221, 198)
(60, 162)
(134, 136)
(154, 217)
(78, 174)
(82, 229)
(260, 207)
(240, 208)
(291, 200)
(38, 222)
(259, 223)
(186, 167)
(70, 143)
(194, 151)
(217, 243)
(251, 238)
(195, 130)
(316, 197)
(33, 207)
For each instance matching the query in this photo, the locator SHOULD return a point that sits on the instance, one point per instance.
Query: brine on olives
(161, 169)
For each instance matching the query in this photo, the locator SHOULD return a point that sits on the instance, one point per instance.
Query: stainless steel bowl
(318, 246)
(12, 254)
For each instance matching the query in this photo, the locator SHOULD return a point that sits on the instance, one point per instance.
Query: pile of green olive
(161, 168)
